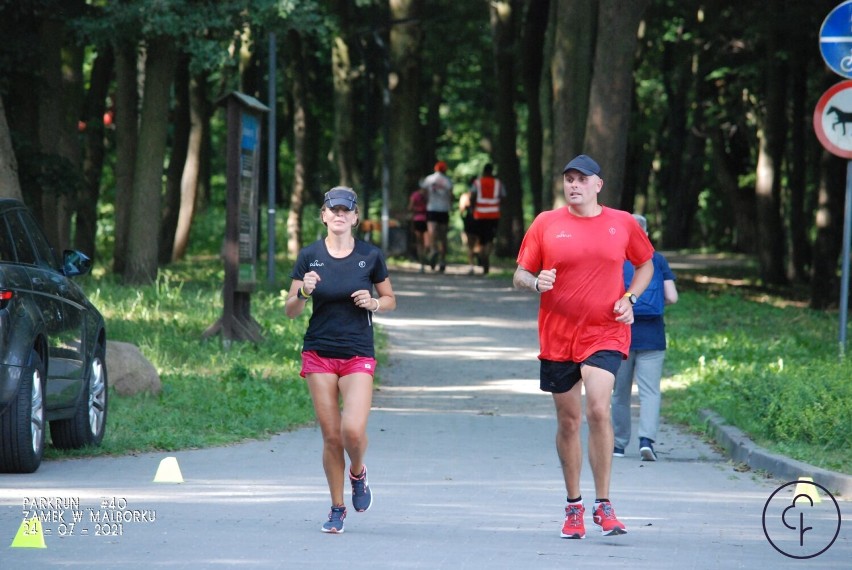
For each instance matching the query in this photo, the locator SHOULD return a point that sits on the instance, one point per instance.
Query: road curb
(743, 450)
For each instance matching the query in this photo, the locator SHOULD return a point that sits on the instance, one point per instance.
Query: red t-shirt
(575, 318)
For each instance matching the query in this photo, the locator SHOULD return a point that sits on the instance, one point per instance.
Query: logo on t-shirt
(317, 263)
(562, 235)
(362, 264)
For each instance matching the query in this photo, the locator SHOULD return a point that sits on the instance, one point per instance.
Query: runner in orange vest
(486, 195)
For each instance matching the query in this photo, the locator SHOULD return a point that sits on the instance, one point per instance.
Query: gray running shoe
(362, 496)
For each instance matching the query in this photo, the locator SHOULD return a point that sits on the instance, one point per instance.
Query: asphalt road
(462, 466)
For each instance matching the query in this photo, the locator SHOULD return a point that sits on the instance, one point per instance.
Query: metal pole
(272, 157)
(386, 155)
(844, 279)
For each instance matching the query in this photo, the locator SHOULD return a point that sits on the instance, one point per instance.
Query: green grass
(212, 394)
(766, 364)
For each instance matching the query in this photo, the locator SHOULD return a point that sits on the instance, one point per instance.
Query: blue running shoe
(618, 452)
(646, 449)
(362, 496)
(334, 524)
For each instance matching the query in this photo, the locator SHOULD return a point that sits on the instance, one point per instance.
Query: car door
(61, 312)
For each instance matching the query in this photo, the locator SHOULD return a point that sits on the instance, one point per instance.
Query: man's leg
(569, 415)
(598, 384)
(443, 230)
(431, 243)
(649, 371)
(621, 402)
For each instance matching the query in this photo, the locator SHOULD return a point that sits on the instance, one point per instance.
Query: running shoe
(604, 517)
(618, 452)
(334, 524)
(646, 449)
(362, 496)
(574, 527)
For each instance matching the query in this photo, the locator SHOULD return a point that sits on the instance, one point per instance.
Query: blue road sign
(835, 39)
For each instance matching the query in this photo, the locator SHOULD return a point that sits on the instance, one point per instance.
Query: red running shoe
(574, 527)
(604, 517)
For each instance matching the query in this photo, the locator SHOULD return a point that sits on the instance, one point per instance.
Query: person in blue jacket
(644, 364)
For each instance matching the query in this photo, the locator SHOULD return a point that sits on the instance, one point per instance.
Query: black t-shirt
(338, 328)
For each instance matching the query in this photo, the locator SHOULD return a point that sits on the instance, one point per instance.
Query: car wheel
(88, 424)
(22, 426)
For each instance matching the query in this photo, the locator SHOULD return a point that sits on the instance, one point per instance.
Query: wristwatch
(631, 297)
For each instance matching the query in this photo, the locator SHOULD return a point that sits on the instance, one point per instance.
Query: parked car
(52, 347)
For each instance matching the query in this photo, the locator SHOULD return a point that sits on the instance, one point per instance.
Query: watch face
(632, 299)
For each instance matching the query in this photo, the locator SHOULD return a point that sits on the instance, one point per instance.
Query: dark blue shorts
(440, 217)
(560, 377)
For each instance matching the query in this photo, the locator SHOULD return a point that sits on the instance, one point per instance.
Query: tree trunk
(174, 175)
(609, 97)
(534, 29)
(800, 130)
(126, 143)
(192, 166)
(825, 284)
(404, 81)
(344, 109)
(55, 206)
(505, 45)
(148, 175)
(677, 81)
(432, 129)
(10, 187)
(93, 151)
(729, 167)
(770, 229)
(570, 79)
(301, 131)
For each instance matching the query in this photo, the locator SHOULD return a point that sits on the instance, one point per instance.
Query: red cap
(440, 166)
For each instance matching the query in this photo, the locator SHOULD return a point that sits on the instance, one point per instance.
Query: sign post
(240, 246)
(833, 126)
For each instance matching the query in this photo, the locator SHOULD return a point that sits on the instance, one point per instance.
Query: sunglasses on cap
(341, 196)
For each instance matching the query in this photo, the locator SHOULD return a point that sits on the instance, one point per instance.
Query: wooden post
(239, 250)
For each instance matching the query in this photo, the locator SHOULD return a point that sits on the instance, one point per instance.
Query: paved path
(463, 467)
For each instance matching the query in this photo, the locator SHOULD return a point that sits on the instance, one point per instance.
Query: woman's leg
(325, 395)
(357, 391)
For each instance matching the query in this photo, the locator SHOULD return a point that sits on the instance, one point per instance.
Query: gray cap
(643, 223)
(341, 196)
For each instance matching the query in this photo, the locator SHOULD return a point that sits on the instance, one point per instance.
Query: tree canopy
(699, 111)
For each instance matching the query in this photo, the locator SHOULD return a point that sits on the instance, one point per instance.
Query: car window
(21, 240)
(45, 257)
(7, 248)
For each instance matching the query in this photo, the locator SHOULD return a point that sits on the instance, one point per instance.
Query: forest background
(699, 111)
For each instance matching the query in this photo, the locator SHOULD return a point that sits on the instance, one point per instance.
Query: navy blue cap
(341, 196)
(584, 164)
